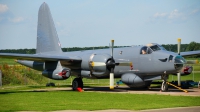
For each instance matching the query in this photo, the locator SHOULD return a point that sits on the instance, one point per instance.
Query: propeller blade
(179, 45)
(179, 74)
(179, 78)
(112, 45)
(97, 64)
(192, 62)
(112, 68)
(112, 79)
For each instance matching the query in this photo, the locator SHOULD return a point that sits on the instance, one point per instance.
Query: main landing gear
(77, 83)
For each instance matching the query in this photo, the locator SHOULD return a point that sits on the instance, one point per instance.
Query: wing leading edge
(39, 57)
(190, 53)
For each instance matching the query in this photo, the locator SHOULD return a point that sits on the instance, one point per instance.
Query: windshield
(157, 47)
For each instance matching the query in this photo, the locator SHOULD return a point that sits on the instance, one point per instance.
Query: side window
(143, 50)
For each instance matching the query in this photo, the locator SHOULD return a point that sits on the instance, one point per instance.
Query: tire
(164, 86)
(77, 83)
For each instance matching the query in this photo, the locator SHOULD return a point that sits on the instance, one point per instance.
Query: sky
(91, 23)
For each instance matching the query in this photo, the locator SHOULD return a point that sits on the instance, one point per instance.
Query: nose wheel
(77, 83)
(164, 86)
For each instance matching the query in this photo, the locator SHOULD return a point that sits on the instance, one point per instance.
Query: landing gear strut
(77, 83)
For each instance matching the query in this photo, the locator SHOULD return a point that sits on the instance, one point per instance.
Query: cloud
(195, 11)
(3, 8)
(16, 19)
(58, 23)
(174, 14)
(156, 15)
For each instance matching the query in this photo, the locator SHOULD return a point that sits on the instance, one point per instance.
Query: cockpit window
(157, 47)
(143, 50)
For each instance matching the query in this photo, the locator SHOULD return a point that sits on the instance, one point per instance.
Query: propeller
(179, 74)
(110, 64)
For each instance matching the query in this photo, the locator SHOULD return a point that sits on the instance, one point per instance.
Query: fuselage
(154, 63)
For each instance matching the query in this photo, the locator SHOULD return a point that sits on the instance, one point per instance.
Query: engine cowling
(57, 74)
(132, 80)
(98, 71)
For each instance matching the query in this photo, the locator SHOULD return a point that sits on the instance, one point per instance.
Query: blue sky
(87, 23)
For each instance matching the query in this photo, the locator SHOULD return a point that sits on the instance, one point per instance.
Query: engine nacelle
(132, 80)
(186, 70)
(57, 74)
(96, 70)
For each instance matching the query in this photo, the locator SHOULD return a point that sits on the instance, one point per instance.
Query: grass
(8, 61)
(17, 98)
(70, 100)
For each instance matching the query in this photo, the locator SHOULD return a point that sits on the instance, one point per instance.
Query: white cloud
(156, 15)
(17, 19)
(58, 23)
(3, 8)
(195, 11)
(174, 14)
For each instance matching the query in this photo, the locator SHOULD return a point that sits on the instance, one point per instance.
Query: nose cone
(179, 61)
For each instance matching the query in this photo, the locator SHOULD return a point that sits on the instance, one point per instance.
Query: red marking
(186, 70)
(63, 74)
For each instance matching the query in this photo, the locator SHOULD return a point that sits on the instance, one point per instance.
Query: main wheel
(164, 86)
(77, 83)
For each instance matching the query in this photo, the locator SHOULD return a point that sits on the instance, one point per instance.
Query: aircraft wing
(39, 57)
(190, 53)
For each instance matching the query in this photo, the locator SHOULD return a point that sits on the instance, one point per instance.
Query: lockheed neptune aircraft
(137, 66)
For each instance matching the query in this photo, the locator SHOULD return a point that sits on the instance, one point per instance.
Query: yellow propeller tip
(112, 40)
(92, 64)
(111, 87)
(179, 39)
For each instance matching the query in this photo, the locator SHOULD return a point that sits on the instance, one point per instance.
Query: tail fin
(47, 38)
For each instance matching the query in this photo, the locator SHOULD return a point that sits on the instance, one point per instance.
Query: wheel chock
(79, 89)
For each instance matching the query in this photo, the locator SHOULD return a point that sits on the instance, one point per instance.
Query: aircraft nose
(179, 61)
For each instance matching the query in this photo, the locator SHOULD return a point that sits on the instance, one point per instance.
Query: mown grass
(70, 100)
(8, 61)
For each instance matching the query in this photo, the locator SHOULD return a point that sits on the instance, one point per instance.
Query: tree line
(192, 46)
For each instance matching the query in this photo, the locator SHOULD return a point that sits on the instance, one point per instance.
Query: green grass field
(22, 97)
(18, 100)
